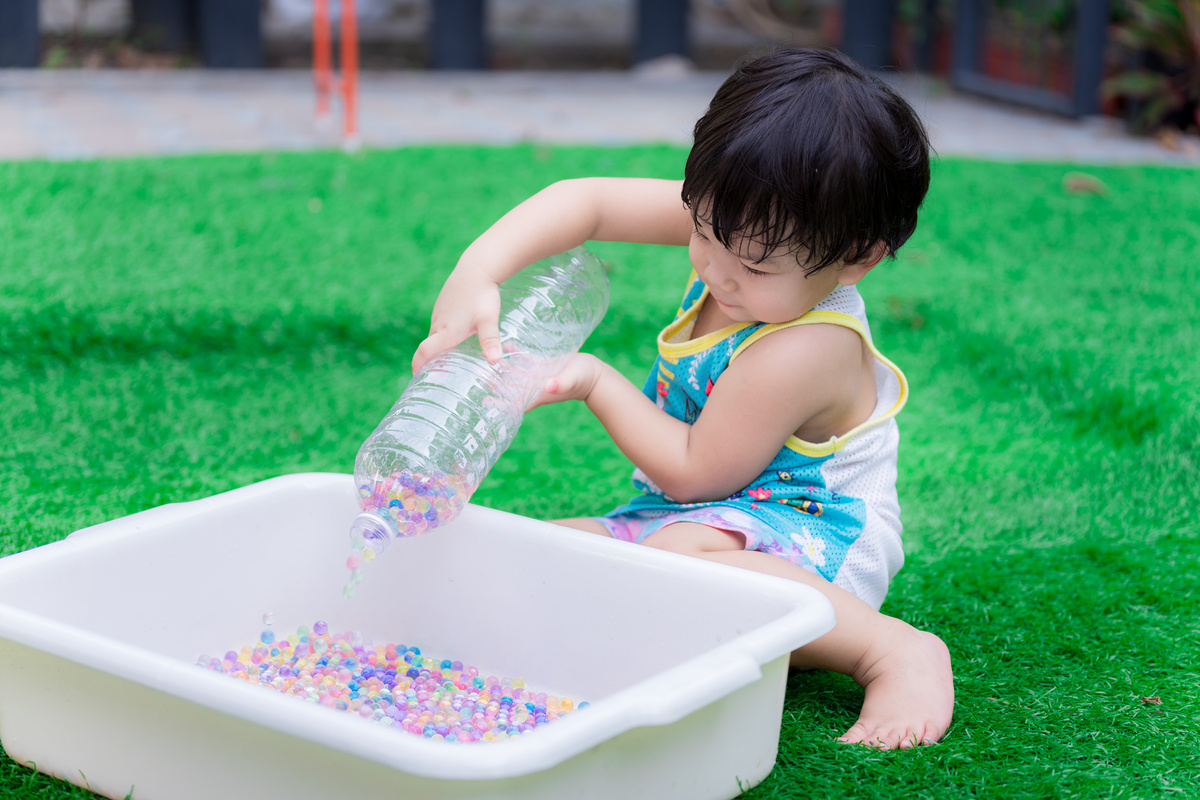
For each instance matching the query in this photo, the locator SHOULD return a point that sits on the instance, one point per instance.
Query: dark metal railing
(1071, 83)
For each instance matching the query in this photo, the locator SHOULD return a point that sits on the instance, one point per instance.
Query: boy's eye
(752, 271)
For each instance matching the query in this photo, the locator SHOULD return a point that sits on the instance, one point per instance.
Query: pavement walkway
(62, 114)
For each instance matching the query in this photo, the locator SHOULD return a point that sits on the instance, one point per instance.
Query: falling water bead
(269, 618)
(368, 554)
(266, 637)
(320, 628)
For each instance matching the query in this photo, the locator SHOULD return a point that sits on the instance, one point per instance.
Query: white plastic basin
(684, 662)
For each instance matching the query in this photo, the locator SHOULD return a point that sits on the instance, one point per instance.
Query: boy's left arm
(776, 387)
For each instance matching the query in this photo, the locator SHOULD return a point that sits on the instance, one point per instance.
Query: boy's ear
(853, 271)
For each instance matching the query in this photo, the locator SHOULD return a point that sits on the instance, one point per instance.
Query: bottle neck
(371, 531)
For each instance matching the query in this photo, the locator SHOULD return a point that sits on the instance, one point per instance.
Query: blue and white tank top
(839, 494)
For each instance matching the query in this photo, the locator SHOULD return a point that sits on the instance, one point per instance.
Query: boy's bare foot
(905, 672)
(909, 691)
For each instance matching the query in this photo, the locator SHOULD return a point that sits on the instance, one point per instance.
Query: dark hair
(806, 150)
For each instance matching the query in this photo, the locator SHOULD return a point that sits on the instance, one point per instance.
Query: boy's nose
(727, 265)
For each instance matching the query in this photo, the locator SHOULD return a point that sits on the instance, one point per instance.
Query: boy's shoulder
(840, 317)
(820, 343)
(810, 375)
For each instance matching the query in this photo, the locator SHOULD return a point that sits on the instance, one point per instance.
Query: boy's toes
(889, 740)
(857, 734)
(869, 737)
(916, 739)
(884, 738)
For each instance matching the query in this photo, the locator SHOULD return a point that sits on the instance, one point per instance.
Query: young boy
(765, 436)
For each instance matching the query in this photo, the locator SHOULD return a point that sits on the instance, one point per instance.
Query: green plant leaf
(1139, 85)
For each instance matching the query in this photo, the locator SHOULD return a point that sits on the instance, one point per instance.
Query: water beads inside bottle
(411, 502)
(392, 685)
(415, 501)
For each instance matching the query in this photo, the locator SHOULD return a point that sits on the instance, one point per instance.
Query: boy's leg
(583, 524)
(905, 672)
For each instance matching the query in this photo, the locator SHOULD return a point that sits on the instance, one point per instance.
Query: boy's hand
(575, 382)
(469, 303)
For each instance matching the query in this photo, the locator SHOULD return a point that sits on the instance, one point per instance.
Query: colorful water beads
(413, 502)
(392, 685)
(409, 503)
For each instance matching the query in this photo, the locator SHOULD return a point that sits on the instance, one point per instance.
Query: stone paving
(53, 114)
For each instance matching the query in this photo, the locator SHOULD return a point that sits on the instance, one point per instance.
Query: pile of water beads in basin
(412, 502)
(392, 685)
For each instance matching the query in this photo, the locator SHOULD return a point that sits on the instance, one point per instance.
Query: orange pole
(322, 56)
(349, 73)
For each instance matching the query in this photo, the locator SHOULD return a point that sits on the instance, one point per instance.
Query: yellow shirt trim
(673, 351)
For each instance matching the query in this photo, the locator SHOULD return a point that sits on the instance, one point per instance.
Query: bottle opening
(371, 531)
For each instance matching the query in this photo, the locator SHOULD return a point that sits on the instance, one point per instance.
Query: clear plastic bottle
(461, 412)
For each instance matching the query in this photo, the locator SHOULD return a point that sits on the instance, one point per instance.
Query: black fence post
(230, 34)
(20, 38)
(168, 25)
(1091, 34)
(661, 29)
(867, 31)
(458, 39)
(968, 21)
(925, 55)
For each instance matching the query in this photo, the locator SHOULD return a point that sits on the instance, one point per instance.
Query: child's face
(772, 290)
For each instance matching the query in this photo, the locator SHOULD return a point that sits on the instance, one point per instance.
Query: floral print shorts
(803, 549)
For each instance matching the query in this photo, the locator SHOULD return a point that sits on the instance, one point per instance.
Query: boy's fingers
(445, 338)
(435, 343)
(489, 340)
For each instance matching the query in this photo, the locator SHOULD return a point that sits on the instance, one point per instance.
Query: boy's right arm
(562, 216)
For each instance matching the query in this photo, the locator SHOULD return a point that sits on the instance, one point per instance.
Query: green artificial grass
(178, 327)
